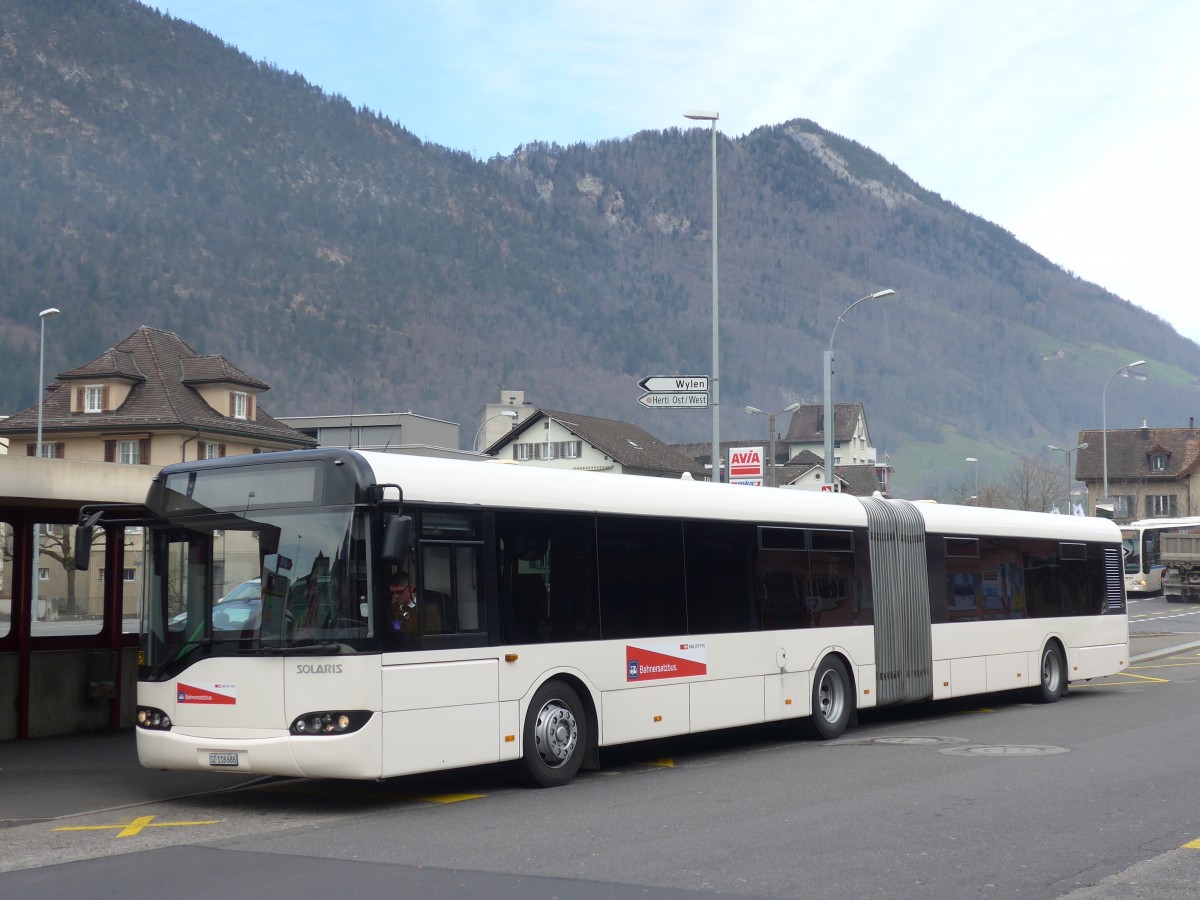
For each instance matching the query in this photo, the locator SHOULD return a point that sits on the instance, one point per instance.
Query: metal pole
(37, 528)
(771, 477)
(828, 426)
(714, 389)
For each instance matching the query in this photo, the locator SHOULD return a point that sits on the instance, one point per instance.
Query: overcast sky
(1074, 124)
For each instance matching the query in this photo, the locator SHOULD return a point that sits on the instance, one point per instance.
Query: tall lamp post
(1104, 415)
(508, 413)
(771, 420)
(1066, 452)
(714, 388)
(887, 292)
(972, 459)
(37, 529)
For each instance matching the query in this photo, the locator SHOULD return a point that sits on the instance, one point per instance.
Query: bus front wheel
(831, 701)
(555, 735)
(1052, 682)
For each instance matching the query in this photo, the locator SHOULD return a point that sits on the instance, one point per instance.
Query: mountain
(152, 175)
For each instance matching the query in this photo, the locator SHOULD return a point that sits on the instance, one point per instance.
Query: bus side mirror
(396, 537)
(83, 546)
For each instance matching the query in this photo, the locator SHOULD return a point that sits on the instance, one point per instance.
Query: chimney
(1145, 431)
(1191, 427)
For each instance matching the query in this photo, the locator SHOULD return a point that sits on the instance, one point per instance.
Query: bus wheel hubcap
(830, 698)
(555, 733)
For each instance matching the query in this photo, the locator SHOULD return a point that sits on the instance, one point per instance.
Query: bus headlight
(330, 722)
(153, 719)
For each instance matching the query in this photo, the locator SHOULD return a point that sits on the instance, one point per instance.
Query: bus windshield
(1131, 550)
(262, 581)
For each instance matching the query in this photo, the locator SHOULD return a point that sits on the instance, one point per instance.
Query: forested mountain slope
(152, 175)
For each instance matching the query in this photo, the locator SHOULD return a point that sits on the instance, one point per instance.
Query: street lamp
(508, 413)
(1104, 414)
(972, 459)
(43, 315)
(714, 387)
(771, 421)
(887, 292)
(37, 529)
(1066, 452)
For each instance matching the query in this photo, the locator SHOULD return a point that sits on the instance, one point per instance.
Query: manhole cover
(903, 741)
(1004, 750)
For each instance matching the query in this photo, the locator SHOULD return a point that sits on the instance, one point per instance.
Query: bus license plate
(222, 759)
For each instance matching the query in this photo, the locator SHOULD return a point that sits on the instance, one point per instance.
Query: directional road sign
(675, 400)
(674, 383)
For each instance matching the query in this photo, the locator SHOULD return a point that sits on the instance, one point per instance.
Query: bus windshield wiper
(319, 647)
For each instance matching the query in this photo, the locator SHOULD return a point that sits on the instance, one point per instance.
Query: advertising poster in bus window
(651, 662)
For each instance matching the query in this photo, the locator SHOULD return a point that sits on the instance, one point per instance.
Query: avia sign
(746, 466)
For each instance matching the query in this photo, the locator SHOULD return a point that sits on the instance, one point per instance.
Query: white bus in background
(1140, 548)
(557, 612)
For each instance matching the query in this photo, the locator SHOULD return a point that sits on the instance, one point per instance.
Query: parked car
(237, 610)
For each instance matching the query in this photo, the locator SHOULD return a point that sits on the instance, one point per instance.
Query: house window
(1158, 462)
(129, 574)
(127, 452)
(239, 404)
(1161, 505)
(1124, 507)
(43, 574)
(93, 398)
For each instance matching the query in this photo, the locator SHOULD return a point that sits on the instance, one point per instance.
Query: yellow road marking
(667, 762)
(1191, 845)
(449, 798)
(1135, 679)
(135, 827)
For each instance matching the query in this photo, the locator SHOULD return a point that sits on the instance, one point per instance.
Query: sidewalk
(1152, 646)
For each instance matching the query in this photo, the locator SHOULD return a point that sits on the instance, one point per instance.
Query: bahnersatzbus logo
(649, 662)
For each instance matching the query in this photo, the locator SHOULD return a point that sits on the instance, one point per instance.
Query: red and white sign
(207, 694)
(746, 466)
(651, 662)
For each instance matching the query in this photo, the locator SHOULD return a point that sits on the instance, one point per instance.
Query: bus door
(203, 668)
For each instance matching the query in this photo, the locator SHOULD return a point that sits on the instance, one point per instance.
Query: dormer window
(1158, 462)
(92, 398)
(239, 405)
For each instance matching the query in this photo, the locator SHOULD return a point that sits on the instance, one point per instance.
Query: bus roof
(513, 486)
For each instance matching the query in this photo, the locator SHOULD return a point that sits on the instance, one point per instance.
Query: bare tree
(56, 544)
(1033, 483)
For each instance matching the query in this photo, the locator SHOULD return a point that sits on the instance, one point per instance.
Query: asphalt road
(1089, 798)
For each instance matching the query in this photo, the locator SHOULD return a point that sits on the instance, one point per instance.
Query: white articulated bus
(1140, 547)
(542, 614)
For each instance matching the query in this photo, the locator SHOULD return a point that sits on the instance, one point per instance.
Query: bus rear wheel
(1052, 682)
(832, 701)
(555, 735)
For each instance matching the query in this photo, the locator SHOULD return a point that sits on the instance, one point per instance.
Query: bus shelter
(68, 639)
